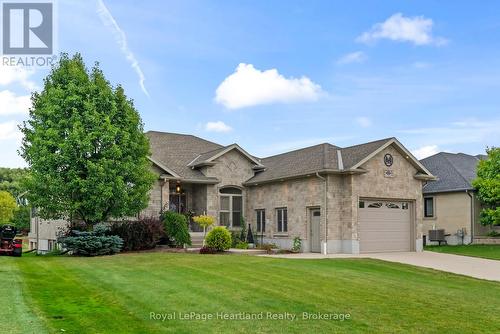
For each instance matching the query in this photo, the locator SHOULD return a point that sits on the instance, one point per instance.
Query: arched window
(231, 206)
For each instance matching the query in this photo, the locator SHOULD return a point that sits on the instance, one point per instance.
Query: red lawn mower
(9, 245)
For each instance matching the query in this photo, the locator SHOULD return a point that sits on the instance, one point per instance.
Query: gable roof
(455, 172)
(423, 173)
(180, 155)
(353, 154)
(172, 152)
(207, 158)
(297, 163)
(330, 158)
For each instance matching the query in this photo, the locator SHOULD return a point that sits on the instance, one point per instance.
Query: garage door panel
(384, 228)
(374, 247)
(382, 236)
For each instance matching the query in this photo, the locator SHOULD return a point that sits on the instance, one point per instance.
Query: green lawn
(116, 294)
(485, 251)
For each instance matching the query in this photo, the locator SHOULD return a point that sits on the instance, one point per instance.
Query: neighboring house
(43, 233)
(363, 198)
(450, 202)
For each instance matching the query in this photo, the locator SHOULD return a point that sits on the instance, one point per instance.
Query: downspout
(472, 216)
(325, 206)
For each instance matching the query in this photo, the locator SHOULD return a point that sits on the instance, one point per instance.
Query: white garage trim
(386, 225)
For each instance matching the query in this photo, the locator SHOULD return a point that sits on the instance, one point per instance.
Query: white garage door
(384, 226)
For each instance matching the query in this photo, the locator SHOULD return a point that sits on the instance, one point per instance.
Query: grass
(116, 294)
(484, 251)
(15, 314)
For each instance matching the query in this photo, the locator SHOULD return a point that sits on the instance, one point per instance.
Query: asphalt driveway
(457, 264)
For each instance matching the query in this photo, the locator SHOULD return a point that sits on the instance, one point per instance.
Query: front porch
(193, 199)
(189, 199)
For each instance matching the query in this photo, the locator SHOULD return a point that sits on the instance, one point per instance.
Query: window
(261, 221)
(429, 207)
(404, 206)
(392, 205)
(375, 205)
(231, 207)
(282, 220)
(361, 204)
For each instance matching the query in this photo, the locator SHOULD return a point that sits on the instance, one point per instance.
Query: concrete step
(196, 239)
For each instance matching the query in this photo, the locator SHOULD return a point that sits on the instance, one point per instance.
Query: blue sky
(280, 75)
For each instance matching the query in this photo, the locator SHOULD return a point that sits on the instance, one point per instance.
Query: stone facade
(402, 185)
(342, 197)
(232, 169)
(158, 196)
(335, 194)
(298, 196)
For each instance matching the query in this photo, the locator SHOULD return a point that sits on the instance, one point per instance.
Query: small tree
(85, 146)
(204, 221)
(7, 207)
(487, 185)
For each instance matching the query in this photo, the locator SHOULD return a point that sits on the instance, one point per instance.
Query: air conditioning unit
(436, 235)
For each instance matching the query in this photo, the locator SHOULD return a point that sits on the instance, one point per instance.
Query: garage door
(384, 226)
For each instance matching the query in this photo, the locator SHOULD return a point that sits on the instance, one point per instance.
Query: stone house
(363, 198)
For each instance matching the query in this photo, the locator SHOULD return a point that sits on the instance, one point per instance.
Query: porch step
(196, 239)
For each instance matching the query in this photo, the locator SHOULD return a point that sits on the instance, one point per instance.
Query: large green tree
(7, 207)
(85, 145)
(487, 184)
(11, 180)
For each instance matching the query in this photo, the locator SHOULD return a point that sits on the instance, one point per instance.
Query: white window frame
(230, 211)
(261, 220)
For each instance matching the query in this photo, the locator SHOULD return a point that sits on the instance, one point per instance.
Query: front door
(315, 220)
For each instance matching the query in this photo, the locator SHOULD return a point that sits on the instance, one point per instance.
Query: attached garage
(384, 226)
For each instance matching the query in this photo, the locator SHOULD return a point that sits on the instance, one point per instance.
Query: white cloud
(218, 126)
(16, 74)
(248, 86)
(121, 39)
(9, 130)
(425, 151)
(11, 104)
(353, 57)
(364, 122)
(417, 30)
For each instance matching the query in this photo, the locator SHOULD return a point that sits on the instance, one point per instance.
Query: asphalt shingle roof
(353, 154)
(176, 151)
(454, 171)
(313, 159)
(207, 155)
(298, 162)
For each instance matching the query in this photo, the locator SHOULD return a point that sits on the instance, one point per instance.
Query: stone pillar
(165, 195)
(212, 202)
